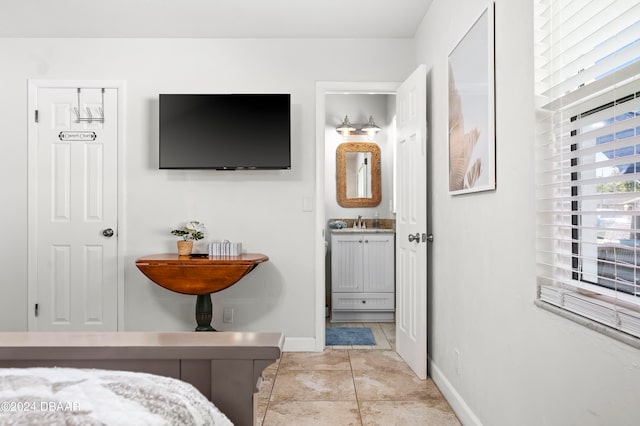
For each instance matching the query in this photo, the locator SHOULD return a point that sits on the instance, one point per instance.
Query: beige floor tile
(406, 413)
(391, 326)
(393, 385)
(263, 394)
(309, 413)
(382, 342)
(327, 360)
(377, 360)
(326, 385)
(381, 339)
(274, 365)
(320, 388)
(260, 411)
(270, 371)
(342, 324)
(390, 335)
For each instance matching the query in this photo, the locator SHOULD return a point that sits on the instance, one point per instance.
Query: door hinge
(36, 309)
(36, 115)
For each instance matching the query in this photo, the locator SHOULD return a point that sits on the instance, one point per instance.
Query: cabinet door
(379, 269)
(346, 263)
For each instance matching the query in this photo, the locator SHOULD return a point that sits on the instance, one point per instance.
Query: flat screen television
(225, 131)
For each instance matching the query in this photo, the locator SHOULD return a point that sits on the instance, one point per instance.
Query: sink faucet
(358, 222)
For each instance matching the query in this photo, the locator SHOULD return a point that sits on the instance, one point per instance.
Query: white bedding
(69, 396)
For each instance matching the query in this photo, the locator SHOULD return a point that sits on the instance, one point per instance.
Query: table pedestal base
(204, 312)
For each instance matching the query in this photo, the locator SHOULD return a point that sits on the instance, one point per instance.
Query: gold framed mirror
(358, 174)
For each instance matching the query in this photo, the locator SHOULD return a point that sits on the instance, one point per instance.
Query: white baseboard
(299, 344)
(459, 406)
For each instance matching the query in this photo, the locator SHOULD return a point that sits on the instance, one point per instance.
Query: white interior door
(75, 192)
(411, 222)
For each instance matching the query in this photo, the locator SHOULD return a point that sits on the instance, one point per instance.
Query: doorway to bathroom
(334, 101)
(358, 191)
(359, 103)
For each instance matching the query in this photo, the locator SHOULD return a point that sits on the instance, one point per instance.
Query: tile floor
(350, 385)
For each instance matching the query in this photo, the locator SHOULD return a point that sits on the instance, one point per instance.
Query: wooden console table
(199, 276)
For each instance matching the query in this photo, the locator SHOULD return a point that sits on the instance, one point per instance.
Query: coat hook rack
(89, 118)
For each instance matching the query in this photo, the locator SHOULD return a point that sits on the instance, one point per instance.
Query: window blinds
(588, 158)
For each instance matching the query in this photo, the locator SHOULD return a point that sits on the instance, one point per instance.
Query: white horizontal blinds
(588, 155)
(587, 39)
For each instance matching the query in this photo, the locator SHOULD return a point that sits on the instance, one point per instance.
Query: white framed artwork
(472, 108)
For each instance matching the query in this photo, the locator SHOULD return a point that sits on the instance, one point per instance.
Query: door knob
(108, 232)
(426, 237)
(415, 238)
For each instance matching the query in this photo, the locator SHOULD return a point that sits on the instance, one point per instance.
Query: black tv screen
(225, 131)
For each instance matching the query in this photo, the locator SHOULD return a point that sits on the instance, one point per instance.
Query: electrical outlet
(456, 360)
(227, 315)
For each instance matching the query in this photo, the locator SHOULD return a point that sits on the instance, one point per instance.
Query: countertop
(363, 231)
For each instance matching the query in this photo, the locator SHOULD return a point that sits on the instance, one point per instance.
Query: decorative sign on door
(77, 136)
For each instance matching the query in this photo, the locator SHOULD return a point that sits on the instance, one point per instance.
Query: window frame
(576, 219)
(570, 279)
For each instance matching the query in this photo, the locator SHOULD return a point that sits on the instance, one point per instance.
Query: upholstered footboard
(225, 367)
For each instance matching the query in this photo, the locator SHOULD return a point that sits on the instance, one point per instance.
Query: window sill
(590, 324)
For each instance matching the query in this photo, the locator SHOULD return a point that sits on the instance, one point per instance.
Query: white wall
(263, 209)
(519, 365)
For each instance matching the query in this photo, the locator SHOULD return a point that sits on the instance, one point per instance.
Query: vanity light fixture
(346, 127)
(371, 127)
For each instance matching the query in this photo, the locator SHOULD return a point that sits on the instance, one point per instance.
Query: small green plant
(193, 230)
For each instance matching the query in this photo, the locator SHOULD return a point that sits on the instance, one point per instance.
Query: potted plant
(192, 231)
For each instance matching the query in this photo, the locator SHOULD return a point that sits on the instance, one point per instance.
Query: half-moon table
(199, 276)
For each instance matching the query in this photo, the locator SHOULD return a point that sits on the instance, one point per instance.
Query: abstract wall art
(471, 109)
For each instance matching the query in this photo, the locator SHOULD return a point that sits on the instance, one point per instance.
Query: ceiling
(212, 18)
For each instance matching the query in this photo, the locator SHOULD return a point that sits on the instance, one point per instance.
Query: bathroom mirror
(358, 174)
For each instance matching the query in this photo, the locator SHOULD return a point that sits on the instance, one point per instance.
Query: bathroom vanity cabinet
(362, 275)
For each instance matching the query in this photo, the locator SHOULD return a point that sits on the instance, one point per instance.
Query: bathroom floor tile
(389, 330)
(325, 385)
(406, 413)
(310, 413)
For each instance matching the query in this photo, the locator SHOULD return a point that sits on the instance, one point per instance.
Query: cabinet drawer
(363, 301)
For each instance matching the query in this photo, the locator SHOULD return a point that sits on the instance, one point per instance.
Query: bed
(70, 396)
(225, 367)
